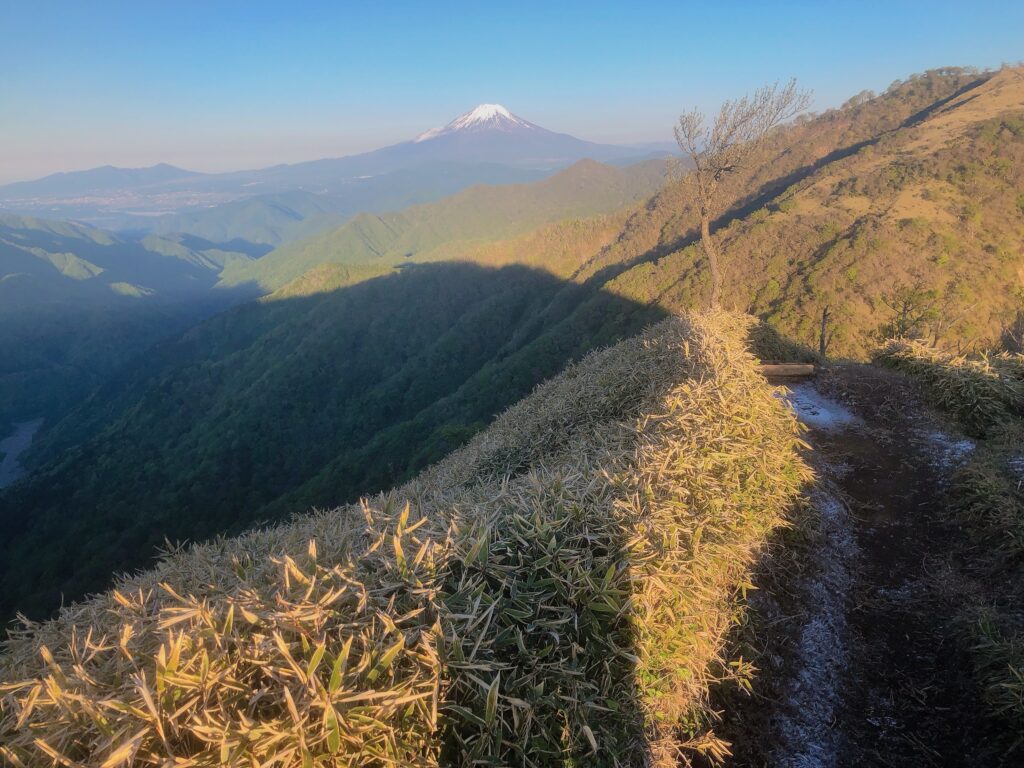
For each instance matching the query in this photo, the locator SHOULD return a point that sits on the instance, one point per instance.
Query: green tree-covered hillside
(366, 364)
(481, 213)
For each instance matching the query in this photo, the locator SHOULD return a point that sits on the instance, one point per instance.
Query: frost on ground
(815, 410)
(947, 452)
(806, 736)
(1017, 467)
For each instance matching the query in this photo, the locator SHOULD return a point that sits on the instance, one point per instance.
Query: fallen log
(788, 370)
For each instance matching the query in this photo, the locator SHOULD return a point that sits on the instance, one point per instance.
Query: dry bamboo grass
(1009, 366)
(771, 346)
(558, 592)
(982, 392)
(989, 501)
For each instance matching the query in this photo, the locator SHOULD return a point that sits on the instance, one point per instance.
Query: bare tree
(723, 147)
(1012, 339)
(825, 335)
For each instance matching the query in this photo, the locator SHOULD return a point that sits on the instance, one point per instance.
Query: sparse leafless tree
(722, 147)
(826, 333)
(1013, 335)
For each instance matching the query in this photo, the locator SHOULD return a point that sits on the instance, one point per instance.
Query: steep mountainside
(76, 302)
(930, 208)
(80, 301)
(343, 391)
(357, 373)
(485, 213)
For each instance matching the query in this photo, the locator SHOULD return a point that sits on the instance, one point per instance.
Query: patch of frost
(1017, 467)
(948, 452)
(807, 739)
(816, 410)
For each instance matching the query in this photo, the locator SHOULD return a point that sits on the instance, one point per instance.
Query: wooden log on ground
(787, 370)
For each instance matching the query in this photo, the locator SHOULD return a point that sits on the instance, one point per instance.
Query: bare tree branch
(726, 145)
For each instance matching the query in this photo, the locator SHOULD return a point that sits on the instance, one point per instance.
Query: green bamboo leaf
(314, 662)
(465, 714)
(609, 575)
(338, 672)
(386, 659)
(491, 709)
(333, 731)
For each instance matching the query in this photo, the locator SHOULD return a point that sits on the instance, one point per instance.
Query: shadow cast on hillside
(237, 244)
(276, 406)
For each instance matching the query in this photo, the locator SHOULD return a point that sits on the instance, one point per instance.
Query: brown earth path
(860, 666)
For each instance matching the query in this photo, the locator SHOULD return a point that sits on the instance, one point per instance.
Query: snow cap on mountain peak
(481, 116)
(486, 112)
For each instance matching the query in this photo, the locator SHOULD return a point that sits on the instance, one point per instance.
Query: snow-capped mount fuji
(486, 145)
(485, 117)
(490, 133)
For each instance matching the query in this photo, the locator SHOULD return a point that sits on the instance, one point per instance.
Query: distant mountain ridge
(487, 144)
(44, 261)
(105, 178)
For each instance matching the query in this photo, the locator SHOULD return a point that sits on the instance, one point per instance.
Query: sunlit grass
(558, 591)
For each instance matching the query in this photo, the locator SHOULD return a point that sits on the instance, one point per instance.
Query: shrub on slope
(983, 393)
(558, 590)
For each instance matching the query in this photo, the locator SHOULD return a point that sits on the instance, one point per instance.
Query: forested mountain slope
(274, 219)
(55, 261)
(356, 374)
(279, 405)
(485, 213)
(927, 215)
(76, 302)
(80, 301)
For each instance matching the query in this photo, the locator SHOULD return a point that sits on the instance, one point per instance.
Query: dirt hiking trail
(859, 666)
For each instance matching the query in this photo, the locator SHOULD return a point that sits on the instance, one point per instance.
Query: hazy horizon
(191, 86)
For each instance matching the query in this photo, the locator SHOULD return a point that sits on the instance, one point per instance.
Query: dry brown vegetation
(558, 591)
(984, 392)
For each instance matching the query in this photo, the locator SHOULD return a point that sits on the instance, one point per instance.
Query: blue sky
(225, 85)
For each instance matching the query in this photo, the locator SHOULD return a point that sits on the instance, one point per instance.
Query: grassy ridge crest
(558, 590)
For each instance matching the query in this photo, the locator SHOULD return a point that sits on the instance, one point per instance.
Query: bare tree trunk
(823, 336)
(712, 254)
